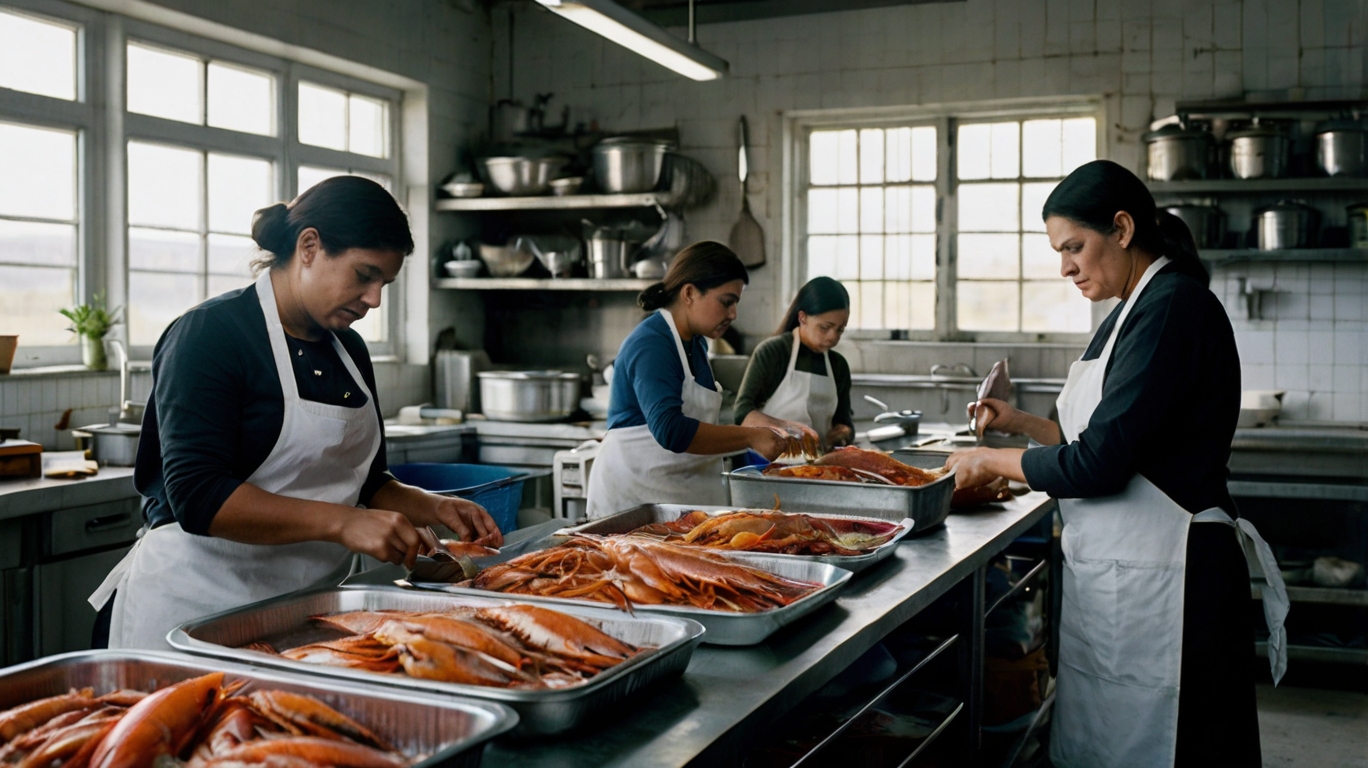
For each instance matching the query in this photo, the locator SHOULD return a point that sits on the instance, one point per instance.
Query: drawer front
(63, 618)
(11, 543)
(93, 527)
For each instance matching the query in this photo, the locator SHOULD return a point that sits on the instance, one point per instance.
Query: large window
(933, 223)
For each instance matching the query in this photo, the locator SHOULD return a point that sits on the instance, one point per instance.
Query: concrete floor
(1313, 727)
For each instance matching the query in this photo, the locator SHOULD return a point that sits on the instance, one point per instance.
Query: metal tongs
(439, 564)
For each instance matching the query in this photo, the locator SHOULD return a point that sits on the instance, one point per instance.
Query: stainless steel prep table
(728, 695)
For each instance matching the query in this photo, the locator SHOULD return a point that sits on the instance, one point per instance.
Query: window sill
(70, 371)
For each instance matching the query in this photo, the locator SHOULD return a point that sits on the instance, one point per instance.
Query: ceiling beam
(676, 14)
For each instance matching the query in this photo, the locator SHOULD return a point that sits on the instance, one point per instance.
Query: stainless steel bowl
(529, 395)
(1258, 152)
(1177, 153)
(522, 176)
(463, 188)
(626, 164)
(505, 260)
(570, 185)
(467, 268)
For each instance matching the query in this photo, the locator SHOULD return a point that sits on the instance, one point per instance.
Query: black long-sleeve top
(769, 365)
(1170, 401)
(217, 407)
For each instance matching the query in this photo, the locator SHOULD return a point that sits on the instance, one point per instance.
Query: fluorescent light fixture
(640, 36)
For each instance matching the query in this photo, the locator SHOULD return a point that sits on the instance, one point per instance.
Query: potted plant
(91, 322)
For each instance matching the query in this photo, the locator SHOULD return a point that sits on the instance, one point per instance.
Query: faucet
(126, 409)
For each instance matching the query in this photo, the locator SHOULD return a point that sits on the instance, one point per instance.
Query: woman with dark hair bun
(262, 457)
(664, 443)
(794, 381)
(1156, 652)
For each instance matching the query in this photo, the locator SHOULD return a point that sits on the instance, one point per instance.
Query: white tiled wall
(1141, 56)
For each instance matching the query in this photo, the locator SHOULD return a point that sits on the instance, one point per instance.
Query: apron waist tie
(114, 580)
(1273, 591)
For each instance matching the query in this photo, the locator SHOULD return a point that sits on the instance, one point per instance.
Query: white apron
(633, 469)
(807, 398)
(1121, 639)
(323, 453)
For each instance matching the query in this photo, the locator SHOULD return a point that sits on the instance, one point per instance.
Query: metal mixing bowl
(505, 260)
(521, 176)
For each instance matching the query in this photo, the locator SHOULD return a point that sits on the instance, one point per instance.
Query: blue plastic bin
(472, 482)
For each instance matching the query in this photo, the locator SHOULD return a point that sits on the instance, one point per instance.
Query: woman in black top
(262, 457)
(1152, 594)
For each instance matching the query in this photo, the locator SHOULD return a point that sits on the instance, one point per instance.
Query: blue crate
(468, 481)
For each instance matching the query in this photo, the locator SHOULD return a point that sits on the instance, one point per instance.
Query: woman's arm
(720, 438)
(979, 466)
(1001, 416)
(762, 419)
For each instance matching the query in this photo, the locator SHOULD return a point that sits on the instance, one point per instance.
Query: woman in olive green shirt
(794, 381)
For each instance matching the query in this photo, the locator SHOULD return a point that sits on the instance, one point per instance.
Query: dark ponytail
(348, 212)
(705, 265)
(1094, 193)
(818, 295)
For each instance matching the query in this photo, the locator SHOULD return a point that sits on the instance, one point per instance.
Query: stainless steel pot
(113, 445)
(522, 176)
(1206, 222)
(1177, 153)
(528, 395)
(1358, 225)
(1258, 152)
(608, 257)
(626, 164)
(1342, 148)
(1286, 224)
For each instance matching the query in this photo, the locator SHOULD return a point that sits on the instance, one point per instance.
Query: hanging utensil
(747, 238)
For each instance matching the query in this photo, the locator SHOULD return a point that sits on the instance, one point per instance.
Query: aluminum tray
(928, 504)
(646, 514)
(284, 622)
(724, 627)
(452, 731)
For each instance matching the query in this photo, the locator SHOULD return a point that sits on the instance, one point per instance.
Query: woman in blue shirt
(664, 442)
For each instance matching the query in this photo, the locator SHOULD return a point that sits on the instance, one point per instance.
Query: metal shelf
(1230, 256)
(540, 284)
(1317, 653)
(554, 203)
(1258, 186)
(1322, 595)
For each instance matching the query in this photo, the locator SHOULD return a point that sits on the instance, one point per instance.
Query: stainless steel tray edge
(542, 711)
(928, 504)
(387, 711)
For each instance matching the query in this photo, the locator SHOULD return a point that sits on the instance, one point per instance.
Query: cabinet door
(63, 618)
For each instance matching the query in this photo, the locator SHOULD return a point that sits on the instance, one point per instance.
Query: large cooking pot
(1258, 152)
(1177, 153)
(113, 445)
(1342, 148)
(626, 164)
(528, 395)
(1206, 222)
(1286, 224)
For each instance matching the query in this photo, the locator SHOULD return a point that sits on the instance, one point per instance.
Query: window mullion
(946, 231)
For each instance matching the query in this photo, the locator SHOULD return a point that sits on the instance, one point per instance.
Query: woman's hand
(467, 520)
(995, 414)
(840, 434)
(980, 466)
(384, 535)
(768, 442)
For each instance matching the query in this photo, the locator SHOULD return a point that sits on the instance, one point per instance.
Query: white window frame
(798, 127)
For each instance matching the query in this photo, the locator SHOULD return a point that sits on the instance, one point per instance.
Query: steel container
(284, 622)
(1286, 224)
(1206, 222)
(528, 395)
(1258, 152)
(113, 445)
(1177, 153)
(626, 164)
(1342, 148)
(451, 731)
(522, 176)
(1358, 225)
(928, 504)
(608, 257)
(647, 514)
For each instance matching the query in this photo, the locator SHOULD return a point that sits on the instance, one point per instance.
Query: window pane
(29, 300)
(1033, 198)
(923, 306)
(238, 186)
(923, 257)
(241, 99)
(309, 175)
(897, 305)
(868, 298)
(974, 151)
(1042, 152)
(368, 126)
(847, 258)
(221, 284)
(822, 157)
(1038, 259)
(1054, 306)
(822, 213)
(165, 84)
(871, 257)
(898, 154)
(985, 306)
(1006, 150)
(898, 257)
(987, 256)
(37, 56)
(871, 156)
(821, 261)
(27, 242)
(871, 209)
(37, 172)
(923, 209)
(164, 250)
(165, 186)
(988, 208)
(1080, 143)
(924, 154)
(154, 300)
(372, 326)
(230, 256)
(898, 209)
(322, 116)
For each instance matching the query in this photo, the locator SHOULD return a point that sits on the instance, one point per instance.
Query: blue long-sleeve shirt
(648, 380)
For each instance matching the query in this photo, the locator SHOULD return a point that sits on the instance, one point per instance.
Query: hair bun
(653, 297)
(270, 229)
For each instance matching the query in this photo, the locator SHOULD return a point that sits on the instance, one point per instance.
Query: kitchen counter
(1301, 451)
(33, 496)
(727, 696)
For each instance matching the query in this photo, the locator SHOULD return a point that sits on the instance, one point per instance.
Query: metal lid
(1341, 125)
(529, 375)
(635, 141)
(1174, 131)
(1285, 206)
(1258, 130)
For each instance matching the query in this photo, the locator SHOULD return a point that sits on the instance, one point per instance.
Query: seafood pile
(197, 723)
(514, 646)
(857, 465)
(635, 570)
(774, 532)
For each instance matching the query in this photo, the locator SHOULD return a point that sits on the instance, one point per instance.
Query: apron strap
(679, 347)
(1274, 591)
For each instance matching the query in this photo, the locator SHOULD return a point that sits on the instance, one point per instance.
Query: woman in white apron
(794, 381)
(664, 443)
(262, 435)
(1156, 651)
